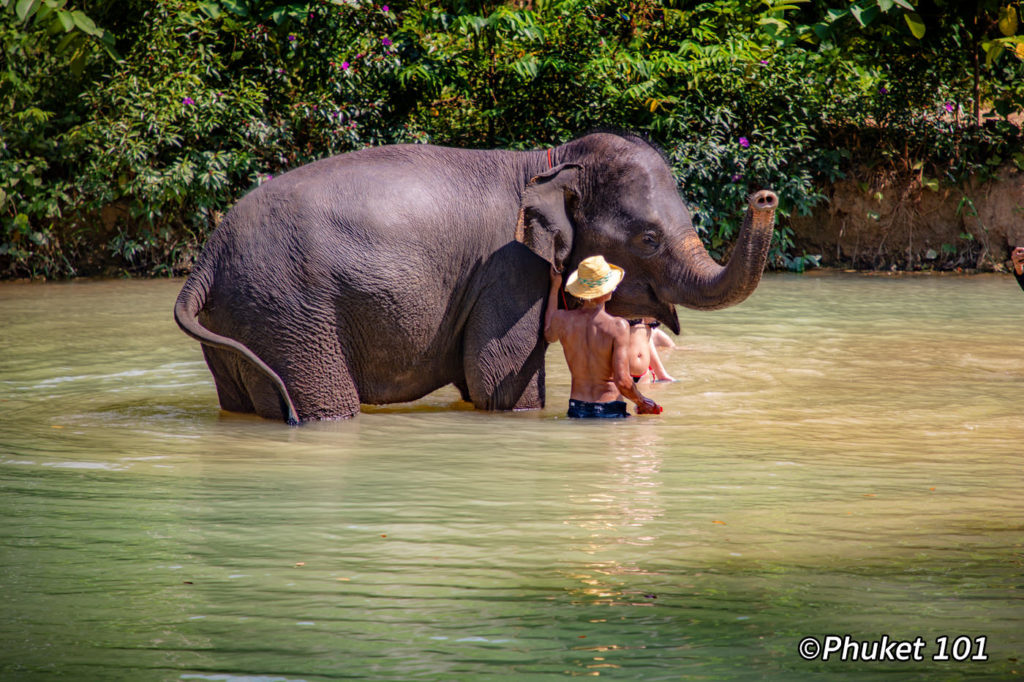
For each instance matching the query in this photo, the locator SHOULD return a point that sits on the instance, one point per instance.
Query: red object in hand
(649, 407)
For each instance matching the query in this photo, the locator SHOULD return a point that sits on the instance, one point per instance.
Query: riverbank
(874, 221)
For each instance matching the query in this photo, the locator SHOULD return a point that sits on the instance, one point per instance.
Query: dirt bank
(878, 222)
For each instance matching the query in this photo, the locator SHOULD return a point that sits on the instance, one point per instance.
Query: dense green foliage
(127, 128)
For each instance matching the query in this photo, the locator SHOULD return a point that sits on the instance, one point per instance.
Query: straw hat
(594, 278)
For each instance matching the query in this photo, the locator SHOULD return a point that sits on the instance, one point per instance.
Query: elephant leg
(241, 387)
(231, 391)
(532, 396)
(318, 378)
(504, 359)
(463, 390)
(319, 383)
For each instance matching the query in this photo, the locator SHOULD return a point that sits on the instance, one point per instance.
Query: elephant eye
(650, 239)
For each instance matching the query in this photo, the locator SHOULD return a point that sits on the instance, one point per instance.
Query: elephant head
(614, 195)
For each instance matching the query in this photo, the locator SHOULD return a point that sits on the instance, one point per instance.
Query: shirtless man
(596, 344)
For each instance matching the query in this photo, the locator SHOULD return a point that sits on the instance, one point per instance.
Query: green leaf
(85, 24)
(65, 20)
(238, 8)
(278, 14)
(772, 21)
(25, 9)
(992, 52)
(904, 4)
(785, 6)
(1008, 20)
(836, 14)
(210, 9)
(864, 16)
(915, 23)
(527, 67)
(822, 32)
(68, 41)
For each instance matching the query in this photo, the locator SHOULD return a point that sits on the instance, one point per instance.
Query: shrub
(125, 133)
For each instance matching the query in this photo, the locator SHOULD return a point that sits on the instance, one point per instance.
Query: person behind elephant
(645, 363)
(1017, 256)
(659, 339)
(596, 344)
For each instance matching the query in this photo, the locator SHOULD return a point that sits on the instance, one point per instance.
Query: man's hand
(555, 275)
(1018, 260)
(648, 406)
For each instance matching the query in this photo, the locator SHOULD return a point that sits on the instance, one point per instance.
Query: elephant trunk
(702, 284)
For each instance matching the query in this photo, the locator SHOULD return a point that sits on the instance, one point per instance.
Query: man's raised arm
(550, 314)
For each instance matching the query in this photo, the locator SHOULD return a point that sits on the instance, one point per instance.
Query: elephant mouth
(648, 305)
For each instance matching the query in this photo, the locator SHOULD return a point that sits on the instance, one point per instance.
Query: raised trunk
(702, 284)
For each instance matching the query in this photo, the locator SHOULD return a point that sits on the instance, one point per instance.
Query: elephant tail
(186, 313)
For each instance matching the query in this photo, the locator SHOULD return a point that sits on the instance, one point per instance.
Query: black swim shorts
(580, 409)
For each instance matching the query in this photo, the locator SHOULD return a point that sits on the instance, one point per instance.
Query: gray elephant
(381, 275)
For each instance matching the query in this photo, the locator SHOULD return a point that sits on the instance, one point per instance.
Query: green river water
(842, 455)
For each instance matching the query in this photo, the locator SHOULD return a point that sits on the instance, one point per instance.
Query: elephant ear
(544, 224)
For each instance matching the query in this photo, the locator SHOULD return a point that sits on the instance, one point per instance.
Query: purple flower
(883, 90)
(386, 42)
(949, 107)
(344, 66)
(384, 8)
(765, 62)
(744, 142)
(291, 39)
(736, 178)
(188, 100)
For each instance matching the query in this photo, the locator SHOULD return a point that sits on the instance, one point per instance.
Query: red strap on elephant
(549, 159)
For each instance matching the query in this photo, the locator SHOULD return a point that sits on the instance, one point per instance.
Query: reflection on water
(840, 455)
(620, 513)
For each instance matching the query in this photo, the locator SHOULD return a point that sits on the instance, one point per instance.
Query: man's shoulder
(613, 324)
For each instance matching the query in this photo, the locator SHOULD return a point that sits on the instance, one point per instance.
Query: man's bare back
(596, 347)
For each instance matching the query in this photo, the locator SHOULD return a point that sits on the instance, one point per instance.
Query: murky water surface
(842, 455)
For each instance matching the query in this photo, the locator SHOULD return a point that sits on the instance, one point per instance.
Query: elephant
(380, 275)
